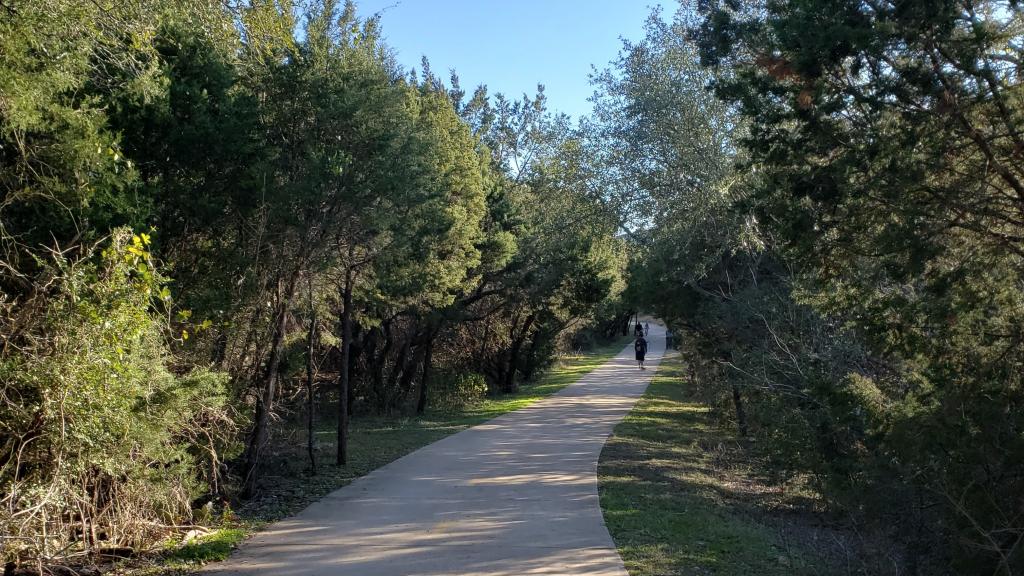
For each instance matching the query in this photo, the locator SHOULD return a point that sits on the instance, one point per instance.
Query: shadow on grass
(673, 503)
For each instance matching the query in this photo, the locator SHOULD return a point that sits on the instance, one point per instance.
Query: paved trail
(516, 495)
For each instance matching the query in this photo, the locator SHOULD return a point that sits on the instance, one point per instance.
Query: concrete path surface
(513, 496)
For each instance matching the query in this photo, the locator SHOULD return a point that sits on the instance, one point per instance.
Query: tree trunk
(482, 354)
(531, 360)
(220, 349)
(400, 377)
(343, 376)
(409, 366)
(421, 403)
(380, 361)
(509, 385)
(354, 353)
(310, 404)
(741, 415)
(268, 385)
(373, 366)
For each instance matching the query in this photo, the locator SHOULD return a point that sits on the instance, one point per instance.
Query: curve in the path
(516, 495)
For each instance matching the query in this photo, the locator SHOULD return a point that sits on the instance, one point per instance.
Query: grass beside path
(373, 442)
(674, 505)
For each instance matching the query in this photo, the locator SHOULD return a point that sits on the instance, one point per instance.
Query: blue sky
(513, 45)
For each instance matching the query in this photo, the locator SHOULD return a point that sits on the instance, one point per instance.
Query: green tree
(61, 166)
(98, 441)
(887, 134)
(91, 406)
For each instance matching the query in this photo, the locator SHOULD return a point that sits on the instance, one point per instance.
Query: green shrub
(98, 437)
(212, 547)
(454, 391)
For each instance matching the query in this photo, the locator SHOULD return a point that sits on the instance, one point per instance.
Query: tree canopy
(218, 216)
(842, 251)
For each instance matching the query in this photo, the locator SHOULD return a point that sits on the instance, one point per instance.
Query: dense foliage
(213, 216)
(835, 224)
(220, 222)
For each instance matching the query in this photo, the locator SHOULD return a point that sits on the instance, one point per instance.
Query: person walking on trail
(647, 328)
(638, 330)
(640, 347)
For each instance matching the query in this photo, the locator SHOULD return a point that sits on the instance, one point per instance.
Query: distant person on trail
(647, 328)
(640, 347)
(638, 330)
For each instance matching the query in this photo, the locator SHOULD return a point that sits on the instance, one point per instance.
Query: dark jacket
(640, 347)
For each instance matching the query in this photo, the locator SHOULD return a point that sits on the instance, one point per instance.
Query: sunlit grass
(669, 505)
(214, 546)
